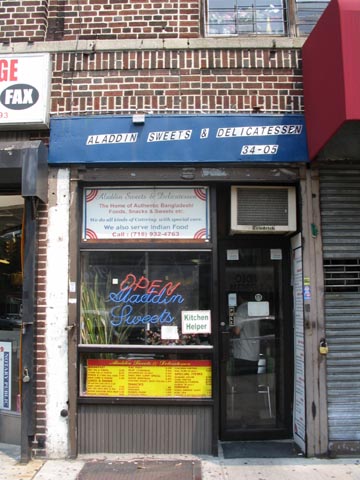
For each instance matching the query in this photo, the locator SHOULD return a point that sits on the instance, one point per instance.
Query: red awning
(331, 73)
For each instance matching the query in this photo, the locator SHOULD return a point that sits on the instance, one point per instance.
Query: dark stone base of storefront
(141, 470)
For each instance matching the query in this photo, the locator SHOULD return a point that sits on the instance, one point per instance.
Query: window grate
(262, 206)
(342, 275)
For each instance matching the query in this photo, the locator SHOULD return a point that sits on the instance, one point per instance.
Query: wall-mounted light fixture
(138, 119)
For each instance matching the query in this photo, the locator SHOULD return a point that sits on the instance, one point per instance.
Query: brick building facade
(124, 57)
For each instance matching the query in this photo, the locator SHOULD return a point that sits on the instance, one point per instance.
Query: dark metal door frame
(285, 385)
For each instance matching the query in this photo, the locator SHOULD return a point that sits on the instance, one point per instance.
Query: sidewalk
(212, 468)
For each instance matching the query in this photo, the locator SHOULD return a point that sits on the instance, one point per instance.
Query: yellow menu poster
(149, 378)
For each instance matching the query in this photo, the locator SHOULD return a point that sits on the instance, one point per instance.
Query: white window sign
(258, 309)
(232, 255)
(276, 254)
(169, 332)
(25, 90)
(146, 213)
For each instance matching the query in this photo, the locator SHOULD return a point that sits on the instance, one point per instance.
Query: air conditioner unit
(263, 209)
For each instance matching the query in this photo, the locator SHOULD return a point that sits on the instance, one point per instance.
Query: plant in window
(96, 327)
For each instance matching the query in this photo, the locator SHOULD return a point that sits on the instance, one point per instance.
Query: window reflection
(237, 17)
(261, 17)
(308, 13)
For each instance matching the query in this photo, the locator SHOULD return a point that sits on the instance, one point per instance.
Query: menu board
(149, 378)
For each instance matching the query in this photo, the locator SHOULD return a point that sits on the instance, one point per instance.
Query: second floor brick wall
(23, 20)
(173, 81)
(40, 20)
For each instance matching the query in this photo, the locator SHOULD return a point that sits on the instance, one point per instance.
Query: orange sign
(149, 378)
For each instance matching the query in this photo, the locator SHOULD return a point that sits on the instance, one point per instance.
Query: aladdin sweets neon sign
(135, 291)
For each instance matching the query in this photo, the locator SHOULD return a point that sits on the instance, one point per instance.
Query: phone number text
(145, 234)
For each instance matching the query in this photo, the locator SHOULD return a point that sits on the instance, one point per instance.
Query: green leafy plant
(96, 327)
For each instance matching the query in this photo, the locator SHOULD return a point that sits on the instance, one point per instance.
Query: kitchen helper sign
(25, 90)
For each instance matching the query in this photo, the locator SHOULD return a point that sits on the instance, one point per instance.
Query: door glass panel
(11, 216)
(251, 341)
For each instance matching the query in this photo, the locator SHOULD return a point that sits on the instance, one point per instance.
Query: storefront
(23, 184)
(24, 105)
(332, 105)
(185, 292)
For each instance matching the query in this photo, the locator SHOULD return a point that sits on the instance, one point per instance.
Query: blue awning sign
(178, 139)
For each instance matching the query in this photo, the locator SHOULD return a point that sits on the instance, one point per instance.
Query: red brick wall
(131, 19)
(23, 20)
(40, 344)
(36, 20)
(216, 81)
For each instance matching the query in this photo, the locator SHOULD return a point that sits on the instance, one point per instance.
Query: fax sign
(19, 97)
(25, 90)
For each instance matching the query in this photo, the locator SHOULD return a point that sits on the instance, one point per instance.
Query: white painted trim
(91, 46)
(57, 445)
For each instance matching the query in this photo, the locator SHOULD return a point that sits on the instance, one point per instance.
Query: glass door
(256, 341)
(11, 218)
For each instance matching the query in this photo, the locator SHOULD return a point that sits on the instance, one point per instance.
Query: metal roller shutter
(340, 215)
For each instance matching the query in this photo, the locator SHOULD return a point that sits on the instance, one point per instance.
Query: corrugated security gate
(340, 214)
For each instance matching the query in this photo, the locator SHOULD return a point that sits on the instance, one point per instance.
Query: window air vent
(263, 209)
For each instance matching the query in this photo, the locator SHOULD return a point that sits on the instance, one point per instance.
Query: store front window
(142, 298)
(145, 314)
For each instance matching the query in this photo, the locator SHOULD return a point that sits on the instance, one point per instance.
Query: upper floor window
(308, 13)
(262, 17)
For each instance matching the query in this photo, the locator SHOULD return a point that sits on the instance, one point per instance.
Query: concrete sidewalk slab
(60, 470)
(11, 469)
(212, 468)
(292, 469)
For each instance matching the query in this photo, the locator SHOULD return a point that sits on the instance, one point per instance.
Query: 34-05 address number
(259, 149)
